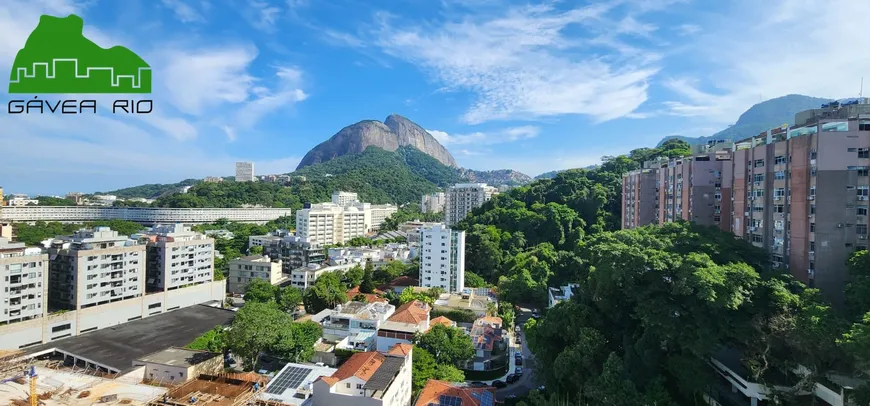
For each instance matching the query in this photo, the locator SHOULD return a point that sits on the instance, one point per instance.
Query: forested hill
(652, 305)
(150, 191)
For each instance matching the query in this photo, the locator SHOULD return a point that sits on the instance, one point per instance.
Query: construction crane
(28, 373)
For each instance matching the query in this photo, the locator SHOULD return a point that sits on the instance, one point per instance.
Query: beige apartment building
(178, 257)
(462, 198)
(799, 192)
(23, 281)
(95, 267)
(640, 198)
(802, 193)
(246, 269)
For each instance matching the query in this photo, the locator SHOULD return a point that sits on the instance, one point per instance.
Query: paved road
(528, 381)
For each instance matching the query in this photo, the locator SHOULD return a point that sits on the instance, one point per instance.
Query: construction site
(221, 390)
(32, 382)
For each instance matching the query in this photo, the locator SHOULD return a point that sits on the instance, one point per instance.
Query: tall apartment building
(178, 257)
(244, 171)
(640, 198)
(344, 199)
(95, 267)
(23, 281)
(802, 193)
(330, 223)
(433, 203)
(462, 198)
(246, 269)
(696, 188)
(442, 258)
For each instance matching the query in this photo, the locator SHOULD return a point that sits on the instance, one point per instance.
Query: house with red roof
(409, 319)
(441, 393)
(368, 379)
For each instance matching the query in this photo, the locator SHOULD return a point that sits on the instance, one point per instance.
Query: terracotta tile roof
(370, 297)
(361, 365)
(402, 349)
(435, 389)
(444, 321)
(413, 312)
(405, 281)
(489, 320)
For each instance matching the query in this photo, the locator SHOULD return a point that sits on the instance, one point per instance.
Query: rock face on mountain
(396, 131)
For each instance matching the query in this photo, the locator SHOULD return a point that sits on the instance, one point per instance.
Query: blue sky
(529, 85)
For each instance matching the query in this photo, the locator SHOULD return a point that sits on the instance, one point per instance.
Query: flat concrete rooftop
(117, 347)
(177, 356)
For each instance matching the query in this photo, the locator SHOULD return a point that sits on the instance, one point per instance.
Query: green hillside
(150, 191)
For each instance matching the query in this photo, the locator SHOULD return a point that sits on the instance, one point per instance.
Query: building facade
(179, 257)
(640, 198)
(244, 171)
(433, 203)
(95, 267)
(344, 199)
(462, 198)
(246, 269)
(368, 379)
(442, 258)
(696, 188)
(330, 223)
(23, 281)
(144, 215)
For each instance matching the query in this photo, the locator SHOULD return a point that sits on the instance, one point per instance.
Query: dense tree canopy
(449, 345)
(328, 291)
(409, 212)
(424, 367)
(263, 327)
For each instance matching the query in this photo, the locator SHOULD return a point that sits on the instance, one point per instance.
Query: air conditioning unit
(811, 198)
(862, 237)
(862, 197)
(777, 198)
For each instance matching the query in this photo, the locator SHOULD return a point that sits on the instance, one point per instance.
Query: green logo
(57, 58)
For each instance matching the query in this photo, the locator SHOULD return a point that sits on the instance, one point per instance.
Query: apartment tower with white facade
(95, 267)
(23, 281)
(178, 257)
(344, 199)
(244, 171)
(433, 203)
(442, 258)
(462, 198)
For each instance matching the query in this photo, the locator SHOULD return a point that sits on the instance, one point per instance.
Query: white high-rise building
(95, 267)
(433, 203)
(179, 257)
(332, 223)
(442, 258)
(23, 281)
(344, 199)
(462, 198)
(244, 171)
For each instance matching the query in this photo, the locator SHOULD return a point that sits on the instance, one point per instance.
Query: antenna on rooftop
(861, 92)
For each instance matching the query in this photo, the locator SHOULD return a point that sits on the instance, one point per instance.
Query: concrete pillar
(754, 401)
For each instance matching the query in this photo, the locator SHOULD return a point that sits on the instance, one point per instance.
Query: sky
(528, 85)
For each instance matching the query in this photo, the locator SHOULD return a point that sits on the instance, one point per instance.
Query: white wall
(73, 323)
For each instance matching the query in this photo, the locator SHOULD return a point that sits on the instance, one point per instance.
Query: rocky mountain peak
(396, 131)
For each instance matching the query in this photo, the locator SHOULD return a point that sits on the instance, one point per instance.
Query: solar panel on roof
(289, 378)
(486, 399)
(445, 400)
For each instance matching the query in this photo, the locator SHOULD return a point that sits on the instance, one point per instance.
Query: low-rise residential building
(556, 295)
(401, 283)
(353, 318)
(293, 385)
(400, 328)
(179, 257)
(94, 267)
(23, 281)
(468, 300)
(304, 277)
(368, 378)
(442, 258)
(376, 255)
(175, 365)
(487, 337)
(441, 393)
(441, 320)
(245, 269)
(6, 230)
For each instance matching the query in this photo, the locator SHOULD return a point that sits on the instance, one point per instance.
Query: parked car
(536, 315)
(512, 378)
(498, 384)
(519, 340)
(478, 384)
(519, 371)
(518, 328)
(519, 361)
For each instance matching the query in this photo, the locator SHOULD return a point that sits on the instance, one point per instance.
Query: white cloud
(688, 29)
(184, 11)
(263, 15)
(522, 64)
(769, 49)
(486, 138)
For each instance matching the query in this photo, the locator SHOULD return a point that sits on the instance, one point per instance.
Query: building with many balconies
(23, 281)
(178, 257)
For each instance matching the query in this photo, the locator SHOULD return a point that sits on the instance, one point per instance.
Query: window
(62, 327)
(359, 386)
(813, 154)
(758, 177)
(813, 191)
(812, 209)
(863, 152)
(778, 208)
(864, 125)
(863, 172)
(756, 238)
(836, 126)
(861, 229)
(861, 211)
(779, 160)
(812, 227)
(758, 192)
(779, 175)
(812, 246)
(779, 193)
(348, 385)
(863, 192)
(759, 163)
(851, 149)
